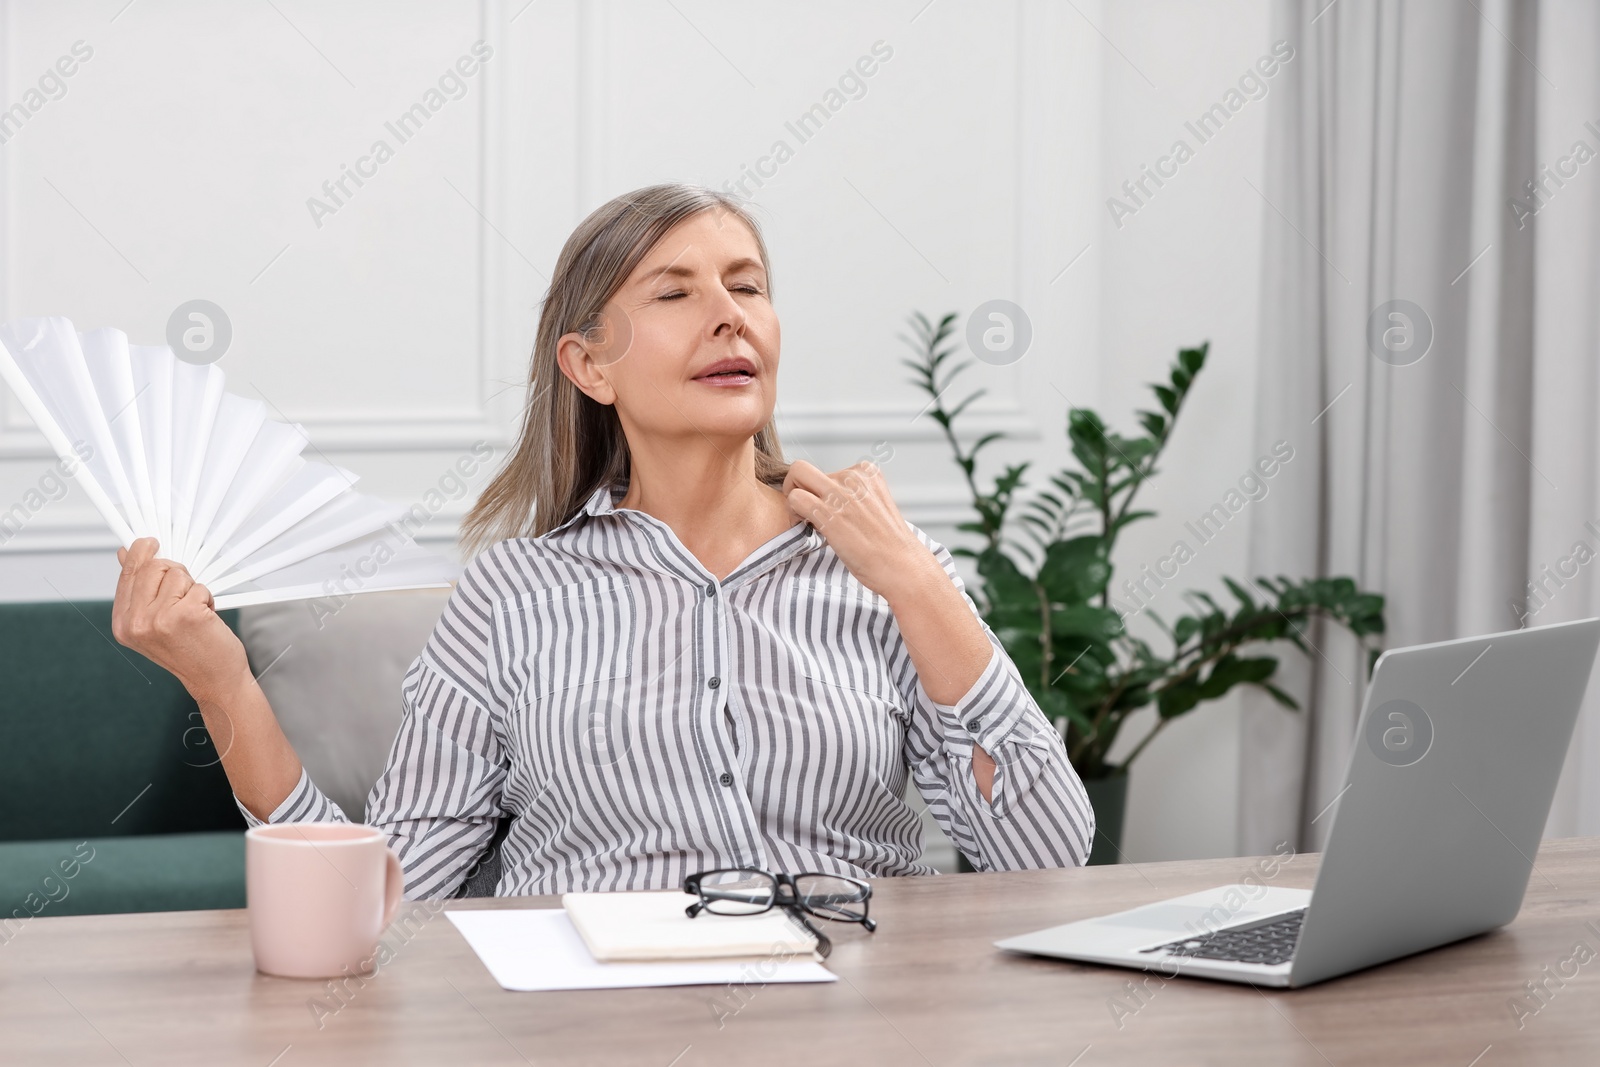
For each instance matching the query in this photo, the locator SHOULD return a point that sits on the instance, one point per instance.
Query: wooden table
(927, 988)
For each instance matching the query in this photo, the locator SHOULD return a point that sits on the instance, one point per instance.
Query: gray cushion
(332, 673)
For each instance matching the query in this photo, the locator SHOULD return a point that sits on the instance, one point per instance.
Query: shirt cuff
(305, 803)
(987, 714)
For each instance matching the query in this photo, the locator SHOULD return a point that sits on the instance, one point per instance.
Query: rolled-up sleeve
(305, 803)
(1038, 814)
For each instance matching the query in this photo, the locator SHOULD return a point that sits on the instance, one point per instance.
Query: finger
(125, 561)
(146, 580)
(119, 602)
(871, 475)
(805, 504)
(197, 597)
(851, 486)
(174, 584)
(805, 475)
(137, 554)
(818, 484)
(133, 558)
(136, 586)
(870, 470)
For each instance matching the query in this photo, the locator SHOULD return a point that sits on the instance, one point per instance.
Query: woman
(677, 652)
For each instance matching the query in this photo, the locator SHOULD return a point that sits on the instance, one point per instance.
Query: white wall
(178, 165)
(976, 165)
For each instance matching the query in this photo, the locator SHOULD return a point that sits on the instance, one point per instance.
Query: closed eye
(751, 289)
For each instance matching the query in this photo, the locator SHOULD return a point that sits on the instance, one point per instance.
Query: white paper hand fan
(224, 488)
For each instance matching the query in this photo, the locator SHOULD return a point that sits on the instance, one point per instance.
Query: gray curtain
(1444, 473)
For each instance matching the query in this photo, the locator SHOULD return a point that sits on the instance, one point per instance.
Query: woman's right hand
(162, 613)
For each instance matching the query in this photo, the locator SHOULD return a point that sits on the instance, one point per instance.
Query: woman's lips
(727, 380)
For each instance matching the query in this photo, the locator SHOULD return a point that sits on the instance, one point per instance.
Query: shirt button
(973, 724)
(725, 778)
(711, 590)
(715, 681)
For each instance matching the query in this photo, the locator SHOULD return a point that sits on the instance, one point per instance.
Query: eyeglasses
(749, 891)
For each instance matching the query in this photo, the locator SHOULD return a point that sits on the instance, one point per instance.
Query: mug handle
(394, 884)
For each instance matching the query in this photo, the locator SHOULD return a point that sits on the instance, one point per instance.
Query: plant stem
(1221, 644)
(1100, 714)
(1106, 529)
(1159, 726)
(967, 467)
(1046, 648)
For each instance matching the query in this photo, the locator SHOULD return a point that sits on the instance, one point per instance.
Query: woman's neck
(719, 510)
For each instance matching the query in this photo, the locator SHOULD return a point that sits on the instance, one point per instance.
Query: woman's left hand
(855, 512)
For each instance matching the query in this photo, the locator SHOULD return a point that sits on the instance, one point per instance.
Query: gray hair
(570, 444)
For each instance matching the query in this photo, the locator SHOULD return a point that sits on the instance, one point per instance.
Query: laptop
(1433, 836)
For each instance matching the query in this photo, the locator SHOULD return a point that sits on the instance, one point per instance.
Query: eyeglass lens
(832, 898)
(738, 892)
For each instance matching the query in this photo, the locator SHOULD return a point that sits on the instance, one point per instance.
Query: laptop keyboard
(1268, 943)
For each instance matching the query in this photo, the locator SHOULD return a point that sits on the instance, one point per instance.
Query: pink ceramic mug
(319, 895)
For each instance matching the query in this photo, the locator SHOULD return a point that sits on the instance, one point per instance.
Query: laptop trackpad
(1178, 918)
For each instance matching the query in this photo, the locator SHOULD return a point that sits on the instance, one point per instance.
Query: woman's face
(695, 305)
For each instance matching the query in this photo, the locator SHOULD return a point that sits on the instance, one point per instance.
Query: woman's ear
(584, 356)
(576, 358)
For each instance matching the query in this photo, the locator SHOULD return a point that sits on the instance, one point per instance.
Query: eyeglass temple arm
(824, 946)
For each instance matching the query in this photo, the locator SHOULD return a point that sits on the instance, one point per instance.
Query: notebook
(654, 926)
(538, 949)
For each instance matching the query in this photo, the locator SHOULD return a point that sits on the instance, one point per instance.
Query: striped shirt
(640, 721)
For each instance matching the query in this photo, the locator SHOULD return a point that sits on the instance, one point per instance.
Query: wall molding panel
(574, 76)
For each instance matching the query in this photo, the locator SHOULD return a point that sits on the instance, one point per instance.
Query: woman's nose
(727, 314)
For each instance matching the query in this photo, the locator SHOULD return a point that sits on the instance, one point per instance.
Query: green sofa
(112, 798)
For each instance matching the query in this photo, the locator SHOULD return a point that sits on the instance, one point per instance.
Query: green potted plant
(1047, 593)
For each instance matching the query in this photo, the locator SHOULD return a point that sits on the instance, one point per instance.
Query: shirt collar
(600, 502)
(603, 501)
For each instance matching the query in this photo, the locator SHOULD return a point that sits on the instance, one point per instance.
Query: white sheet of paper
(539, 949)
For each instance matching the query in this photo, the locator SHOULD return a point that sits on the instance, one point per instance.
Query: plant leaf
(1239, 593)
(1280, 696)
(1075, 570)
